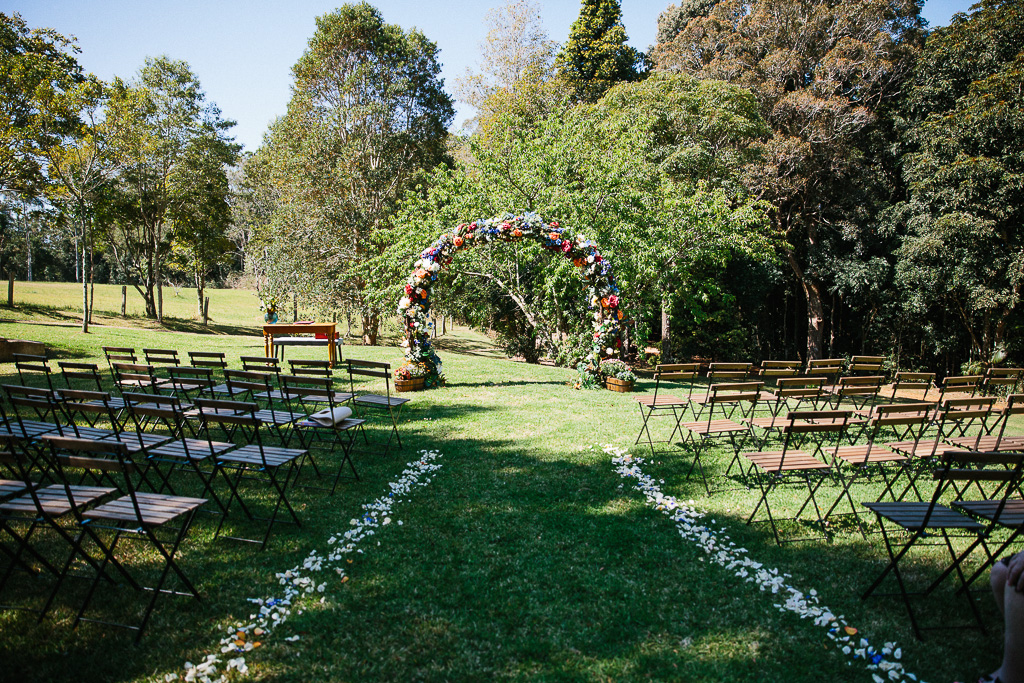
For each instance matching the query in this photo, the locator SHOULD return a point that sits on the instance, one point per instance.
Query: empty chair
(188, 382)
(322, 369)
(159, 519)
(859, 391)
(86, 376)
(251, 460)
(119, 354)
(720, 406)
(667, 377)
(794, 462)
(134, 377)
(278, 416)
(386, 402)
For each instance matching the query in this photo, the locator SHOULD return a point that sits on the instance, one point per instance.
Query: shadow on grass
(516, 562)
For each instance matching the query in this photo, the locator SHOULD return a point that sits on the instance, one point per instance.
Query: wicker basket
(620, 385)
(414, 384)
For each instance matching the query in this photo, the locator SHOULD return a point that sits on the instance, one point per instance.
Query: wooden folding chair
(905, 420)
(176, 450)
(119, 354)
(86, 376)
(317, 394)
(663, 403)
(392, 404)
(919, 522)
(775, 468)
(722, 402)
(135, 377)
(323, 370)
(278, 416)
(994, 437)
(149, 517)
(79, 405)
(40, 403)
(267, 364)
(789, 394)
(188, 383)
(252, 459)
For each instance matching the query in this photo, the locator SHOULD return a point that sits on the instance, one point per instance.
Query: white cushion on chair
(329, 418)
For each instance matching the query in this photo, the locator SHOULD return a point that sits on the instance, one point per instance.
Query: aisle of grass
(525, 558)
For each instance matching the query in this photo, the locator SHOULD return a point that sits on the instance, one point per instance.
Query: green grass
(527, 557)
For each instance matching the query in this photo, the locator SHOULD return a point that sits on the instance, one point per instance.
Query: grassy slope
(523, 559)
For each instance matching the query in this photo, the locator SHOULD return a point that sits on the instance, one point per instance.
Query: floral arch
(414, 306)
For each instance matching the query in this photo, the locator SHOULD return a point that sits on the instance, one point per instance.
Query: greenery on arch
(414, 307)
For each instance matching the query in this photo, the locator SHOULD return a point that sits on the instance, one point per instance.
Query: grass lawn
(526, 556)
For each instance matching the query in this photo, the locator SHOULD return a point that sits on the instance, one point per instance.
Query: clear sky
(243, 50)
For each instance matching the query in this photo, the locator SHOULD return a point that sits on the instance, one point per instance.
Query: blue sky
(243, 50)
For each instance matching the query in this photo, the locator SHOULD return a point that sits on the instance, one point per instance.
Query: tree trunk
(159, 300)
(85, 286)
(815, 318)
(92, 277)
(370, 325)
(200, 286)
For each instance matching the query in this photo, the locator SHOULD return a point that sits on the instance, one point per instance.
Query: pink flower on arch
(613, 301)
(566, 246)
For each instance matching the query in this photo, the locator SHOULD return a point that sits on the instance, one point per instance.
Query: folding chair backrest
(369, 368)
(305, 387)
(775, 369)
(261, 364)
(824, 367)
(214, 360)
(106, 457)
(960, 384)
(185, 379)
(134, 376)
(33, 366)
(81, 373)
(244, 382)
(77, 402)
(804, 388)
(860, 386)
(675, 373)
(729, 372)
(968, 467)
(312, 368)
(1014, 406)
(161, 356)
(913, 382)
(166, 409)
(726, 397)
(39, 401)
(234, 413)
(869, 365)
(816, 421)
(996, 378)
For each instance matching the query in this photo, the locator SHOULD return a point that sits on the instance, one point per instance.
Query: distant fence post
(295, 308)
(444, 325)
(124, 300)
(206, 311)
(10, 289)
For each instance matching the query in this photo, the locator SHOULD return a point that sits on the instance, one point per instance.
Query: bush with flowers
(414, 306)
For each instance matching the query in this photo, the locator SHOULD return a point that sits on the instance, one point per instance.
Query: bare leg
(997, 580)
(1013, 645)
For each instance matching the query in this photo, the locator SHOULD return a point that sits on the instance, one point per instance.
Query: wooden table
(270, 331)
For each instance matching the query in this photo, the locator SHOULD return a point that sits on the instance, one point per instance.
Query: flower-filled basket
(410, 377)
(617, 375)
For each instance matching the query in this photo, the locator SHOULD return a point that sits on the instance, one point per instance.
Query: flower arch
(414, 306)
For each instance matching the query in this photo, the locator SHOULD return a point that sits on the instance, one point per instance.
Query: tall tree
(964, 257)
(368, 113)
(596, 56)
(37, 66)
(825, 73)
(153, 121)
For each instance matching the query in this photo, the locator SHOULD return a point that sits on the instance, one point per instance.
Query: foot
(991, 678)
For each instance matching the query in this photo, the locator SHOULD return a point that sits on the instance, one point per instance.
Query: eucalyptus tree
(825, 74)
(963, 260)
(154, 123)
(368, 112)
(37, 68)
